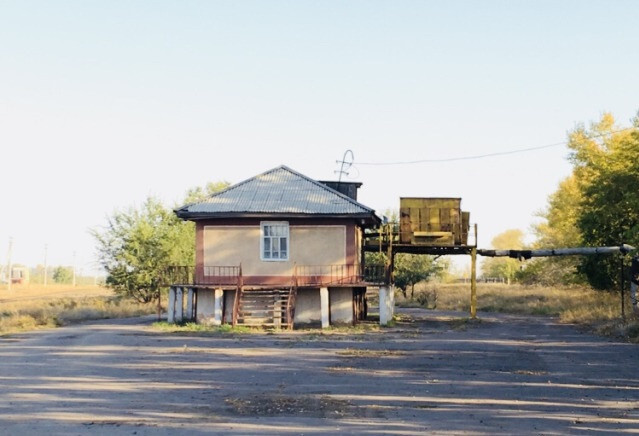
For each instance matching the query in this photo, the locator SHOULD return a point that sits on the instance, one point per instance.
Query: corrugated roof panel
(280, 190)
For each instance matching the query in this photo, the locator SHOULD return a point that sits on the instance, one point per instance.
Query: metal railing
(325, 275)
(207, 275)
(303, 275)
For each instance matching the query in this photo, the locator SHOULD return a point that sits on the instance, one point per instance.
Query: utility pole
(9, 266)
(46, 265)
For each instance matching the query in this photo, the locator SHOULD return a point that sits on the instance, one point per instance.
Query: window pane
(275, 241)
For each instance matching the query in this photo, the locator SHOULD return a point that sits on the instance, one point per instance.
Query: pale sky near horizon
(103, 103)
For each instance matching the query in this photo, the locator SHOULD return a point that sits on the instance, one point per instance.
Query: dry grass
(29, 308)
(599, 310)
(38, 292)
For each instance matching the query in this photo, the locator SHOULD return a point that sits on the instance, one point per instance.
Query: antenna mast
(346, 164)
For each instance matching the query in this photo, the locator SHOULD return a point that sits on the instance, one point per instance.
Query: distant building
(19, 275)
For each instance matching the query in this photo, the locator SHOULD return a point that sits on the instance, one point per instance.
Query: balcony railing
(303, 275)
(326, 275)
(208, 275)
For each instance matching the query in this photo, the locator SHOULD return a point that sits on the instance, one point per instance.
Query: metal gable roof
(278, 191)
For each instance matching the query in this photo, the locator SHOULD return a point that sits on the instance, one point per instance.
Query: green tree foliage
(63, 274)
(598, 205)
(139, 243)
(557, 230)
(411, 269)
(504, 267)
(605, 160)
(199, 193)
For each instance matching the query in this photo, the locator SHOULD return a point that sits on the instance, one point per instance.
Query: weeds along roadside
(19, 316)
(599, 311)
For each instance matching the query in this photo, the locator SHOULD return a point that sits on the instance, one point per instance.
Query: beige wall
(308, 245)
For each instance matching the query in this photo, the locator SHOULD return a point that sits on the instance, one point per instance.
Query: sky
(103, 104)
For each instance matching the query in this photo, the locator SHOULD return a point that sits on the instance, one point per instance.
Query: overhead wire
(485, 155)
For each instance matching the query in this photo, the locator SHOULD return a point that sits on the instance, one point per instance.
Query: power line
(482, 156)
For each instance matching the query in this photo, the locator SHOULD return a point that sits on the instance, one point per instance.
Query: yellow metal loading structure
(438, 226)
(435, 226)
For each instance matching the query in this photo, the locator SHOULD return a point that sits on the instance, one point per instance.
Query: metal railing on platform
(303, 275)
(207, 275)
(326, 275)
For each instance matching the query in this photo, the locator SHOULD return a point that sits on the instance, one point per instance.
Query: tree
(63, 274)
(557, 230)
(500, 266)
(605, 162)
(138, 244)
(411, 269)
(597, 205)
(199, 193)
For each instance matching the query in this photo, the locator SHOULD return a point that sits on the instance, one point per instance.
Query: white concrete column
(189, 304)
(218, 299)
(324, 309)
(170, 317)
(179, 304)
(386, 304)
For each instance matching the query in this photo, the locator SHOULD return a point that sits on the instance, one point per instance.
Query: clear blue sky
(103, 103)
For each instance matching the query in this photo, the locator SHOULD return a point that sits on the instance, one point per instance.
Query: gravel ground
(434, 372)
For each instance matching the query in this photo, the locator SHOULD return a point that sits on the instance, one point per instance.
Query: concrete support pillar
(218, 300)
(179, 304)
(324, 309)
(190, 296)
(386, 304)
(171, 309)
(473, 283)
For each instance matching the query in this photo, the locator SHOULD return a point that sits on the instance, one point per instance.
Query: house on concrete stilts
(279, 249)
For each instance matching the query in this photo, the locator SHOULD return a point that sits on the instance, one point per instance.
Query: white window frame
(286, 236)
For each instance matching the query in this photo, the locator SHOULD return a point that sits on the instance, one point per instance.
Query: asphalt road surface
(434, 373)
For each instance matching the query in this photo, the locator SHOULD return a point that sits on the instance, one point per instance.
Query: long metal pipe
(527, 254)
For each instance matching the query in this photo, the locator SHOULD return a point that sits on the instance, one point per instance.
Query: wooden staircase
(266, 307)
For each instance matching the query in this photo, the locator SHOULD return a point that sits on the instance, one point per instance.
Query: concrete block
(205, 306)
(307, 307)
(341, 304)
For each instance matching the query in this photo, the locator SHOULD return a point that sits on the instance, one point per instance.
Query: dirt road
(437, 374)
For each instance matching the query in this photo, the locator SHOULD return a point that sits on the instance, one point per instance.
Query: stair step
(256, 321)
(264, 307)
(262, 295)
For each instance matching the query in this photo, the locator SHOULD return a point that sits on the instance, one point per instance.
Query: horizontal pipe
(576, 251)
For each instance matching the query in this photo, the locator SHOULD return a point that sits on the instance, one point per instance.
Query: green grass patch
(192, 327)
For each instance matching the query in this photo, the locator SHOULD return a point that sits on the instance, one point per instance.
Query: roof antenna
(346, 164)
